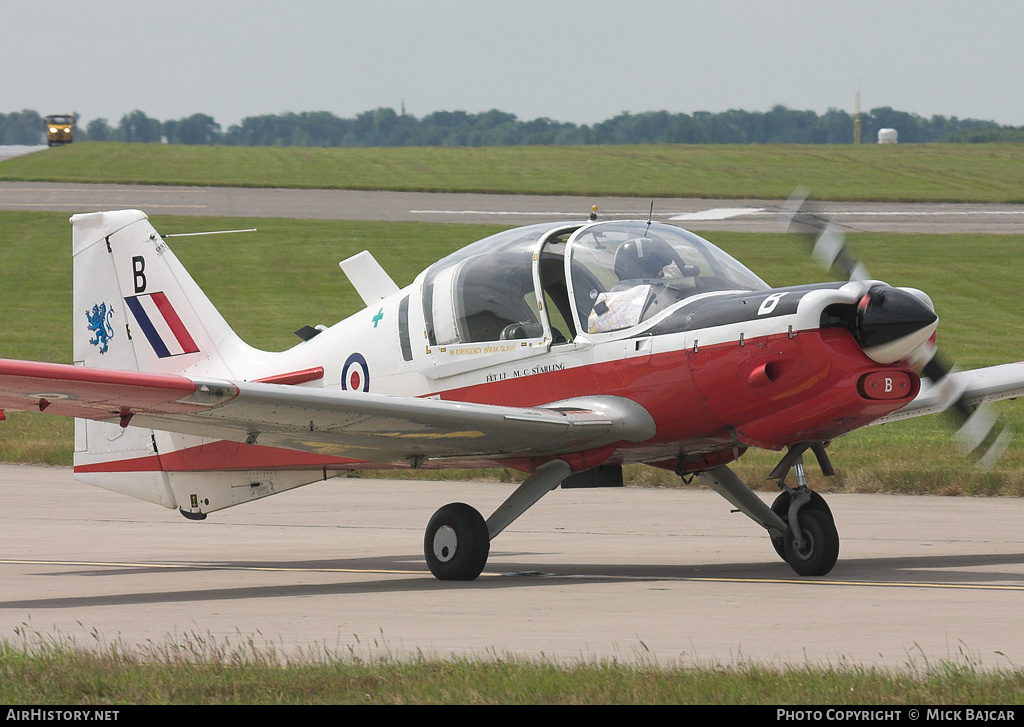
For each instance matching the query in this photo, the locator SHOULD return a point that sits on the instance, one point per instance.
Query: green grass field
(193, 671)
(910, 172)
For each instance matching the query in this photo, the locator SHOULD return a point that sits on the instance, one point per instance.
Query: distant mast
(856, 118)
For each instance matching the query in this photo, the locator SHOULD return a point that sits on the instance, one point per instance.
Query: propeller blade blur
(887, 320)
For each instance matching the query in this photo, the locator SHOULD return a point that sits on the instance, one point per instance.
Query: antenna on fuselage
(215, 232)
(650, 216)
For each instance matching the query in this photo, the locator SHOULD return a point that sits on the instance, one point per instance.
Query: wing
(358, 425)
(976, 387)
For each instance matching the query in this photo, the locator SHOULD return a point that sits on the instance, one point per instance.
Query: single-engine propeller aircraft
(561, 350)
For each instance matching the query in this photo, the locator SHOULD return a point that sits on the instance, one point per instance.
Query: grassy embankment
(194, 671)
(911, 172)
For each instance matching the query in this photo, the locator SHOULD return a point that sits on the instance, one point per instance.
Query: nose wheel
(456, 543)
(781, 508)
(811, 546)
(816, 550)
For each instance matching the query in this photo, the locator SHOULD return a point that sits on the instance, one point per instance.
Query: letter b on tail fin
(137, 308)
(139, 268)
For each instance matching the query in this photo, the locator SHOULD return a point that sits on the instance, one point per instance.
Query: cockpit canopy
(478, 292)
(624, 273)
(554, 281)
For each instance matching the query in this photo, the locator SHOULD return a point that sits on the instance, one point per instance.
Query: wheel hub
(803, 547)
(445, 543)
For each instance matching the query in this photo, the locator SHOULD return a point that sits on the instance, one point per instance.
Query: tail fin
(137, 308)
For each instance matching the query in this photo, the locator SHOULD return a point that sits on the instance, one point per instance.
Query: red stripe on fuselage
(698, 396)
(695, 398)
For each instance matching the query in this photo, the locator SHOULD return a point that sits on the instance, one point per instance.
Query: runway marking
(722, 213)
(634, 214)
(98, 191)
(522, 574)
(717, 213)
(923, 213)
(207, 566)
(50, 205)
(792, 581)
(879, 584)
(508, 213)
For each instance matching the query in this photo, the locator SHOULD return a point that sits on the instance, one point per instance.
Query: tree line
(386, 127)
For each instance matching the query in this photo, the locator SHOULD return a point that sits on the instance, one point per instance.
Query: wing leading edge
(357, 425)
(977, 387)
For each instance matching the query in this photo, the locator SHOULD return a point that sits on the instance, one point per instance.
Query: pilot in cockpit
(639, 264)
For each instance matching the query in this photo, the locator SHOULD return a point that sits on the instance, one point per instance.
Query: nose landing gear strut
(799, 522)
(810, 543)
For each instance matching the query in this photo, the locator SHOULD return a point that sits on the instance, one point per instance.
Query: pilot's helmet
(642, 258)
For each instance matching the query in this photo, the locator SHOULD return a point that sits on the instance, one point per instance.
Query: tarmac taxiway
(697, 214)
(638, 574)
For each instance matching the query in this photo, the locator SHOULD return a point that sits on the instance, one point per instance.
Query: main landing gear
(458, 540)
(803, 532)
(456, 543)
(799, 522)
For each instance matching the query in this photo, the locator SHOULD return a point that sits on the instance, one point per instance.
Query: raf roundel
(355, 374)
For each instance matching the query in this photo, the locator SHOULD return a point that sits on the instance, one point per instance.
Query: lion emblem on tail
(99, 324)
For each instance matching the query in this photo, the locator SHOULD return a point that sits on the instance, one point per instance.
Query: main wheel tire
(820, 548)
(781, 508)
(456, 543)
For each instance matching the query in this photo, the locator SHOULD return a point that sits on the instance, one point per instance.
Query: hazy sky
(568, 60)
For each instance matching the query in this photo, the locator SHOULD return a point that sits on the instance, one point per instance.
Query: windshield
(624, 273)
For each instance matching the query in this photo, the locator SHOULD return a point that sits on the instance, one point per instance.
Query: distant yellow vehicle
(60, 129)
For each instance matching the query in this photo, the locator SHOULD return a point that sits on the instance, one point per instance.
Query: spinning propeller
(888, 323)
